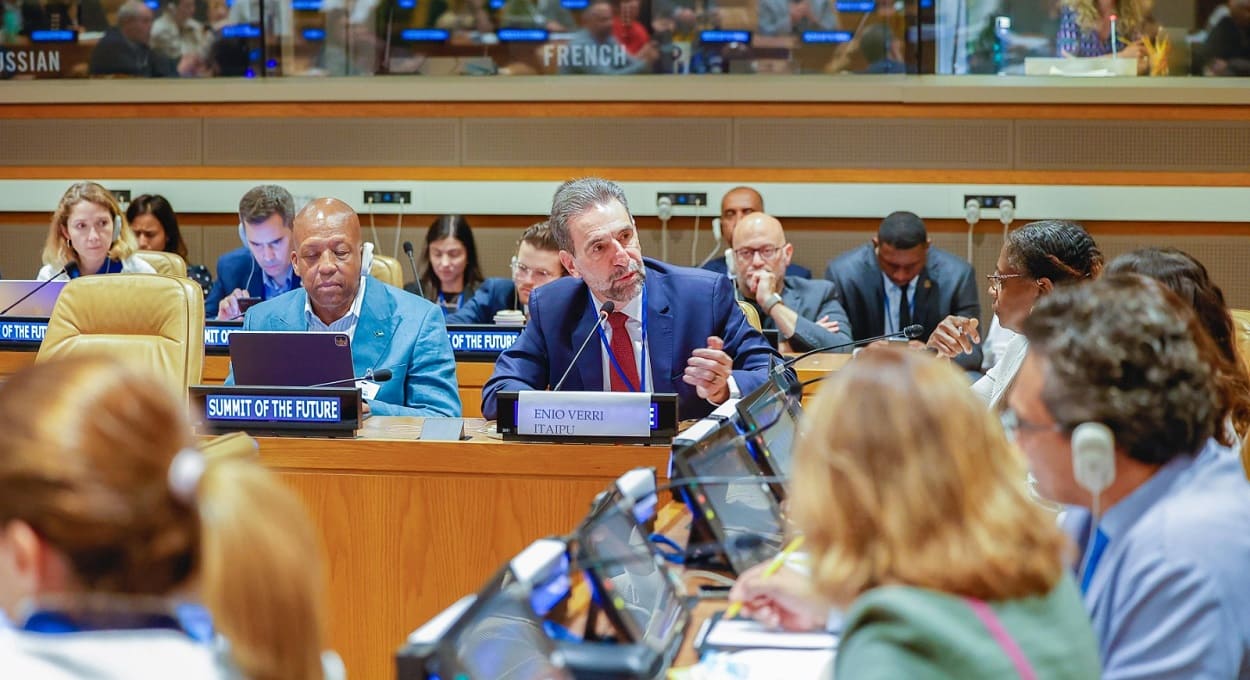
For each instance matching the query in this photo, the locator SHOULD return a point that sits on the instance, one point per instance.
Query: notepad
(735, 634)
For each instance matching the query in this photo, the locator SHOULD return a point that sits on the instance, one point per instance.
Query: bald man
(388, 327)
(126, 49)
(807, 313)
(737, 203)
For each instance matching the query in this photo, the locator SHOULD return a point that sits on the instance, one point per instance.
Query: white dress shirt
(892, 294)
(347, 324)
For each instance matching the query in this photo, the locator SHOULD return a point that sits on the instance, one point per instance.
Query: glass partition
(268, 38)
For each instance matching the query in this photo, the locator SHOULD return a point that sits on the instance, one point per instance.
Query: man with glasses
(806, 312)
(1158, 509)
(537, 262)
(669, 329)
(900, 279)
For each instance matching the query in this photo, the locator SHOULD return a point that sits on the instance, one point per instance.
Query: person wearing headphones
(537, 262)
(261, 269)
(389, 329)
(1115, 409)
(88, 234)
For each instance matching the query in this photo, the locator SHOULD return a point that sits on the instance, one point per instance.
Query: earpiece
(716, 229)
(1093, 457)
(242, 235)
(117, 227)
(513, 264)
(366, 259)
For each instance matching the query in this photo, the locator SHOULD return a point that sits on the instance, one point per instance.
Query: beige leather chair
(387, 270)
(1241, 330)
(164, 263)
(151, 321)
(753, 317)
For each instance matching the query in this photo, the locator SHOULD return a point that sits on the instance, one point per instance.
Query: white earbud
(1093, 457)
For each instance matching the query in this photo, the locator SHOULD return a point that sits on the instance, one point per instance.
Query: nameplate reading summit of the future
(584, 414)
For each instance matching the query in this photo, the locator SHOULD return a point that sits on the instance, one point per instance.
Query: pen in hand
(735, 608)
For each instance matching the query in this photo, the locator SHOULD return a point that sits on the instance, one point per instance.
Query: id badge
(368, 389)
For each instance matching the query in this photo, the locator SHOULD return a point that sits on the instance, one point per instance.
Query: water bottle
(1002, 28)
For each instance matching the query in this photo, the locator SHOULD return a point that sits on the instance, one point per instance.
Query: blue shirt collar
(1119, 518)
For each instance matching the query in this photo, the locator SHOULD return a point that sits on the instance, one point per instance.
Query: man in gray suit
(806, 312)
(900, 279)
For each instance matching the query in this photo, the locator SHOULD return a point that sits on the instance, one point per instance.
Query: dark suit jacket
(946, 286)
(116, 56)
(490, 297)
(717, 264)
(396, 330)
(238, 269)
(684, 307)
(811, 300)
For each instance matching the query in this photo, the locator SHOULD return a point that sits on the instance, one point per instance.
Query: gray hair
(574, 198)
(1128, 353)
(132, 9)
(262, 202)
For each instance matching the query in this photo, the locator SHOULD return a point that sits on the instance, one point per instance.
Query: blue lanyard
(442, 301)
(110, 266)
(642, 371)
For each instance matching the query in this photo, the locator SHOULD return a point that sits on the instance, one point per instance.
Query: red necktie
(623, 350)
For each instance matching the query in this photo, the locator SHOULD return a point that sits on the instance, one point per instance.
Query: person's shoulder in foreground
(915, 633)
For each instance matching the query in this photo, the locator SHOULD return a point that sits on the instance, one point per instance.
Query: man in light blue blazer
(389, 328)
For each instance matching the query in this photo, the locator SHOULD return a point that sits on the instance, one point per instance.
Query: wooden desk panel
(409, 526)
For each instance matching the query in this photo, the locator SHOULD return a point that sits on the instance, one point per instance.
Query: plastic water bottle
(1002, 28)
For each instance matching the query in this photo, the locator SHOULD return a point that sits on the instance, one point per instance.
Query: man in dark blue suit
(899, 279)
(737, 203)
(261, 269)
(673, 329)
(537, 262)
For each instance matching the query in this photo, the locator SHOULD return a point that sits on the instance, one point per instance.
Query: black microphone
(34, 290)
(380, 375)
(604, 311)
(912, 332)
(412, 261)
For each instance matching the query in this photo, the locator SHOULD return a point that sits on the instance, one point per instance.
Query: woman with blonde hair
(112, 526)
(89, 234)
(919, 527)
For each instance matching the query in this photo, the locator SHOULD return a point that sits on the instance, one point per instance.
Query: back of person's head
(157, 206)
(577, 196)
(57, 250)
(873, 42)
(264, 201)
(1188, 278)
(920, 496)
(87, 462)
(902, 230)
(1128, 353)
(1054, 249)
(457, 227)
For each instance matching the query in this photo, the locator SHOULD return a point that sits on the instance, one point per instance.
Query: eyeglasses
(996, 280)
(766, 252)
(1013, 425)
(523, 271)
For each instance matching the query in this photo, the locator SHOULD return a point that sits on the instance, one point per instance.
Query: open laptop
(290, 358)
(39, 304)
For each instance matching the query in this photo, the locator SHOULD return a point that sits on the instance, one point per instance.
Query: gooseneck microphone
(608, 308)
(34, 290)
(380, 375)
(416, 276)
(912, 332)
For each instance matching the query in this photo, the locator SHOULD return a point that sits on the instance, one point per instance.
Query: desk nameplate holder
(588, 417)
(278, 411)
(22, 333)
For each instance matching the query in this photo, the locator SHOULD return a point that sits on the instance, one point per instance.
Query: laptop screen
(40, 303)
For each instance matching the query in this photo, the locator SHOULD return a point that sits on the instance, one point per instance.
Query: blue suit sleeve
(247, 326)
(215, 295)
(523, 366)
(477, 310)
(430, 386)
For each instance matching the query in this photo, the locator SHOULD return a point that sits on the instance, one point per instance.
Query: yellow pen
(735, 608)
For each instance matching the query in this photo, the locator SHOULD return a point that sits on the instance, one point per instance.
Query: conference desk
(410, 526)
(471, 375)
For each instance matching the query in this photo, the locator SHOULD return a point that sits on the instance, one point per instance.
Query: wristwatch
(772, 301)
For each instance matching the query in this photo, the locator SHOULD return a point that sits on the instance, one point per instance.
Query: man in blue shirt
(388, 327)
(1162, 538)
(261, 269)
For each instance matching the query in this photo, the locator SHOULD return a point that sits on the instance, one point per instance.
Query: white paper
(584, 414)
(745, 633)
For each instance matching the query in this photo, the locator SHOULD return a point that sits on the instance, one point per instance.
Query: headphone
(366, 258)
(242, 234)
(117, 227)
(1093, 458)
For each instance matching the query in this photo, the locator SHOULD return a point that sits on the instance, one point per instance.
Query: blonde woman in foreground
(920, 529)
(112, 527)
